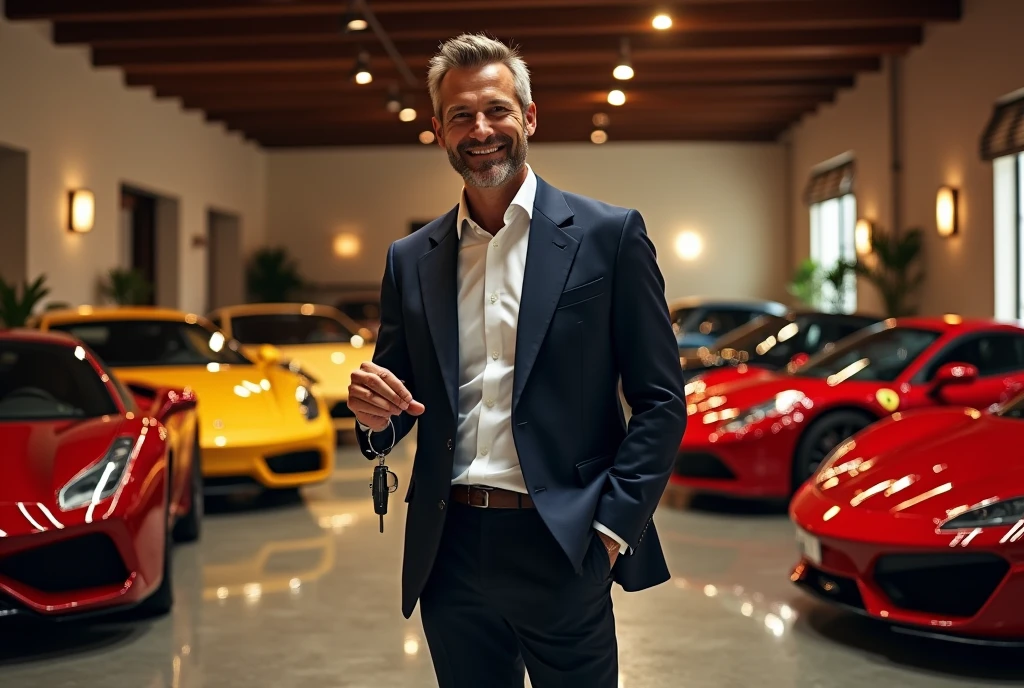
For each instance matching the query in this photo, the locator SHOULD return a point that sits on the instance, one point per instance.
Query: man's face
(482, 126)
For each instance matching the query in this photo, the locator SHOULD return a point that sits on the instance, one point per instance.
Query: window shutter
(1004, 134)
(829, 183)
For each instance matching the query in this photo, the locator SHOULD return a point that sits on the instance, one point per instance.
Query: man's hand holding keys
(375, 394)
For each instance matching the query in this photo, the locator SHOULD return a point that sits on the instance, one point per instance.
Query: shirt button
(483, 452)
(494, 298)
(450, 444)
(490, 403)
(440, 505)
(495, 244)
(494, 355)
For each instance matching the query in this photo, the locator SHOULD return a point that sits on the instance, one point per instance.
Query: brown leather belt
(490, 497)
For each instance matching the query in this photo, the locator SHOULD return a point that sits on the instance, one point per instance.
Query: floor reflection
(302, 591)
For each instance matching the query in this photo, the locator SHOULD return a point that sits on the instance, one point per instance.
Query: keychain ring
(369, 440)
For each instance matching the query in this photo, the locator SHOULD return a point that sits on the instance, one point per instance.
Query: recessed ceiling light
(616, 97)
(426, 137)
(662, 22)
(407, 114)
(623, 72)
(599, 136)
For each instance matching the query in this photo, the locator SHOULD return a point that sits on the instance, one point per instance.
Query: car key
(384, 482)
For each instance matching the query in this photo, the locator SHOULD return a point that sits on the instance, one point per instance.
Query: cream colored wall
(731, 194)
(83, 128)
(950, 84)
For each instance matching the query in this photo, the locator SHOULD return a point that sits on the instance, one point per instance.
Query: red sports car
(97, 481)
(919, 521)
(769, 343)
(764, 437)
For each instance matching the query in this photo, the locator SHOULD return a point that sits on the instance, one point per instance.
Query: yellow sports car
(260, 424)
(319, 342)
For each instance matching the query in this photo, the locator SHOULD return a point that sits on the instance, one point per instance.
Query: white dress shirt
(490, 286)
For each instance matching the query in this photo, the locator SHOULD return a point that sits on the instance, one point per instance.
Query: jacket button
(450, 444)
(440, 505)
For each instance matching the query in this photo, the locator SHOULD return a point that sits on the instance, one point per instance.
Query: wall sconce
(81, 210)
(689, 245)
(346, 245)
(947, 211)
(862, 237)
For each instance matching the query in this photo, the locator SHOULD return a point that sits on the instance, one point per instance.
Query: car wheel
(161, 601)
(189, 526)
(827, 433)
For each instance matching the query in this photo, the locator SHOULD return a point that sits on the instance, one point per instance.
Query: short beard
(496, 173)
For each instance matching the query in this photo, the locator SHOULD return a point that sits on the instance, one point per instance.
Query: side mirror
(798, 360)
(176, 401)
(954, 374)
(268, 355)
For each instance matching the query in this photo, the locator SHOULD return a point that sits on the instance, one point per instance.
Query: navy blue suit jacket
(593, 310)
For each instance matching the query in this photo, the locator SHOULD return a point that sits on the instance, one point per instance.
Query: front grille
(295, 462)
(89, 561)
(702, 465)
(947, 584)
(341, 410)
(838, 589)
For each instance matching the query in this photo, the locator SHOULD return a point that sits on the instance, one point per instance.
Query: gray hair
(476, 50)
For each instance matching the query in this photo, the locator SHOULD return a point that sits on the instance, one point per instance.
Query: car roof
(37, 337)
(84, 314)
(703, 301)
(955, 323)
(285, 309)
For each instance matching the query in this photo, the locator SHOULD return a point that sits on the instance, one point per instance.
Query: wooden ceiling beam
(838, 72)
(689, 15)
(550, 20)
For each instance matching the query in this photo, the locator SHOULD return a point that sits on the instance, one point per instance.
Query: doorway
(13, 215)
(224, 270)
(149, 230)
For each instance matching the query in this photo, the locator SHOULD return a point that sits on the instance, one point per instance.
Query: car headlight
(783, 403)
(307, 402)
(100, 480)
(998, 514)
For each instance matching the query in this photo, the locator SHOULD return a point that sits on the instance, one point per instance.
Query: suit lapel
(438, 270)
(549, 255)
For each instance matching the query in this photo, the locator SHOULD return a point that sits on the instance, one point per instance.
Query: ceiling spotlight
(624, 70)
(361, 71)
(662, 22)
(426, 137)
(599, 136)
(407, 114)
(357, 24)
(616, 97)
(394, 102)
(601, 120)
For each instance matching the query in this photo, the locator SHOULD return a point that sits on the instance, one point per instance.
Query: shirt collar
(524, 198)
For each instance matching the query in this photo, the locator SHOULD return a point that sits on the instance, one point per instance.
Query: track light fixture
(394, 102)
(361, 72)
(624, 69)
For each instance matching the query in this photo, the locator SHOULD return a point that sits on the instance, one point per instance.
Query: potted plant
(893, 268)
(272, 276)
(15, 308)
(126, 287)
(806, 283)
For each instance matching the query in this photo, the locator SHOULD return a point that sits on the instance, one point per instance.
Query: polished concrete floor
(304, 594)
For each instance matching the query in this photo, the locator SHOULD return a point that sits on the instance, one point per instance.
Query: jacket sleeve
(392, 353)
(652, 383)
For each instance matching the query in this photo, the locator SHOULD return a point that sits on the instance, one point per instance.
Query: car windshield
(680, 318)
(746, 338)
(289, 329)
(1015, 409)
(875, 355)
(772, 342)
(41, 381)
(145, 343)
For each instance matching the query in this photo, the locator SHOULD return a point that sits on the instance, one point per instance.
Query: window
(992, 354)
(833, 210)
(1009, 237)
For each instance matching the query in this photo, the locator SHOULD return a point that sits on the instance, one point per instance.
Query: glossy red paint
(719, 376)
(887, 492)
(757, 460)
(124, 533)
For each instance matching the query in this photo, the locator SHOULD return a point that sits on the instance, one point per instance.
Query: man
(506, 326)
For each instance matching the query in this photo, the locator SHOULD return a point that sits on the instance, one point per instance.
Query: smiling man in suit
(506, 327)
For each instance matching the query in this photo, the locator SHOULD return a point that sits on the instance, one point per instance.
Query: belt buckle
(487, 497)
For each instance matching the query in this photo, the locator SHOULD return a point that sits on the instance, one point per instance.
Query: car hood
(330, 364)
(962, 459)
(40, 457)
(232, 398)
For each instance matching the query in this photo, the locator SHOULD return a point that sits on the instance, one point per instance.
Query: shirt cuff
(362, 427)
(622, 543)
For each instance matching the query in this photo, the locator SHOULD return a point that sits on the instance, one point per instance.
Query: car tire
(189, 526)
(824, 435)
(162, 599)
